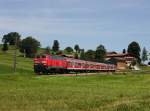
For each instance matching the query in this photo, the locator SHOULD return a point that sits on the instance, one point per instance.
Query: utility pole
(15, 56)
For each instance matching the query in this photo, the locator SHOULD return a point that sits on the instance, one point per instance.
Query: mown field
(25, 91)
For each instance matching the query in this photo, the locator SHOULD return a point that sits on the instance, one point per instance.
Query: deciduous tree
(68, 50)
(134, 49)
(100, 53)
(144, 55)
(29, 46)
(77, 48)
(55, 47)
(11, 38)
(90, 55)
(124, 51)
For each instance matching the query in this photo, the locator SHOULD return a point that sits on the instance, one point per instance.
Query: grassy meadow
(25, 91)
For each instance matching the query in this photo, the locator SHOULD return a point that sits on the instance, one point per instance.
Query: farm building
(121, 60)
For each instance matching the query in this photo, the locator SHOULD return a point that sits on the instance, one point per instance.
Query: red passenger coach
(75, 64)
(53, 63)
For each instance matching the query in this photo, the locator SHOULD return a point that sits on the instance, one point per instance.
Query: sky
(89, 23)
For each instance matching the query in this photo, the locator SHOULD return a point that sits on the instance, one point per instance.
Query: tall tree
(134, 49)
(55, 47)
(5, 47)
(90, 55)
(29, 46)
(68, 50)
(11, 38)
(124, 51)
(77, 48)
(100, 53)
(144, 55)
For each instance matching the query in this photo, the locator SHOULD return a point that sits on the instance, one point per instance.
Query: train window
(69, 63)
(87, 65)
(79, 64)
(76, 64)
(91, 65)
(73, 63)
(83, 64)
(97, 66)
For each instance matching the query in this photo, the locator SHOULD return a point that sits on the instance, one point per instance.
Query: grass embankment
(6, 62)
(24, 91)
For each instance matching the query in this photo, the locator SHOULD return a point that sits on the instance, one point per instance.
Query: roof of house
(119, 55)
(112, 52)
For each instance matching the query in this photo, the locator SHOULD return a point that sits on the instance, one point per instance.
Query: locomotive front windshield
(57, 57)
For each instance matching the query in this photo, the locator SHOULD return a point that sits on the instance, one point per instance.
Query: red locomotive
(53, 63)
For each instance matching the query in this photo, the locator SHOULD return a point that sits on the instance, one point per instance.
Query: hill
(25, 91)
(6, 62)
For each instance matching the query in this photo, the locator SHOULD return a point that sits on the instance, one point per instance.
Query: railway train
(45, 64)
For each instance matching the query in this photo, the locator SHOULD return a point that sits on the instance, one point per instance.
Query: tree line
(29, 46)
(98, 55)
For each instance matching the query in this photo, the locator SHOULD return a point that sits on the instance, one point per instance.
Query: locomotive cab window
(57, 58)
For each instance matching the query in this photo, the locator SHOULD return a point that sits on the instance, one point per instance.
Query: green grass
(91, 93)
(25, 91)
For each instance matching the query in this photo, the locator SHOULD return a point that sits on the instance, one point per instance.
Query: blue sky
(113, 23)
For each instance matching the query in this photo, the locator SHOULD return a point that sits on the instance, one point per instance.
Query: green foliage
(134, 49)
(124, 51)
(144, 55)
(100, 53)
(55, 47)
(5, 47)
(68, 50)
(77, 48)
(59, 52)
(82, 55)
(11, 38)
(90, 55)
(76, 56)
(29, 46)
